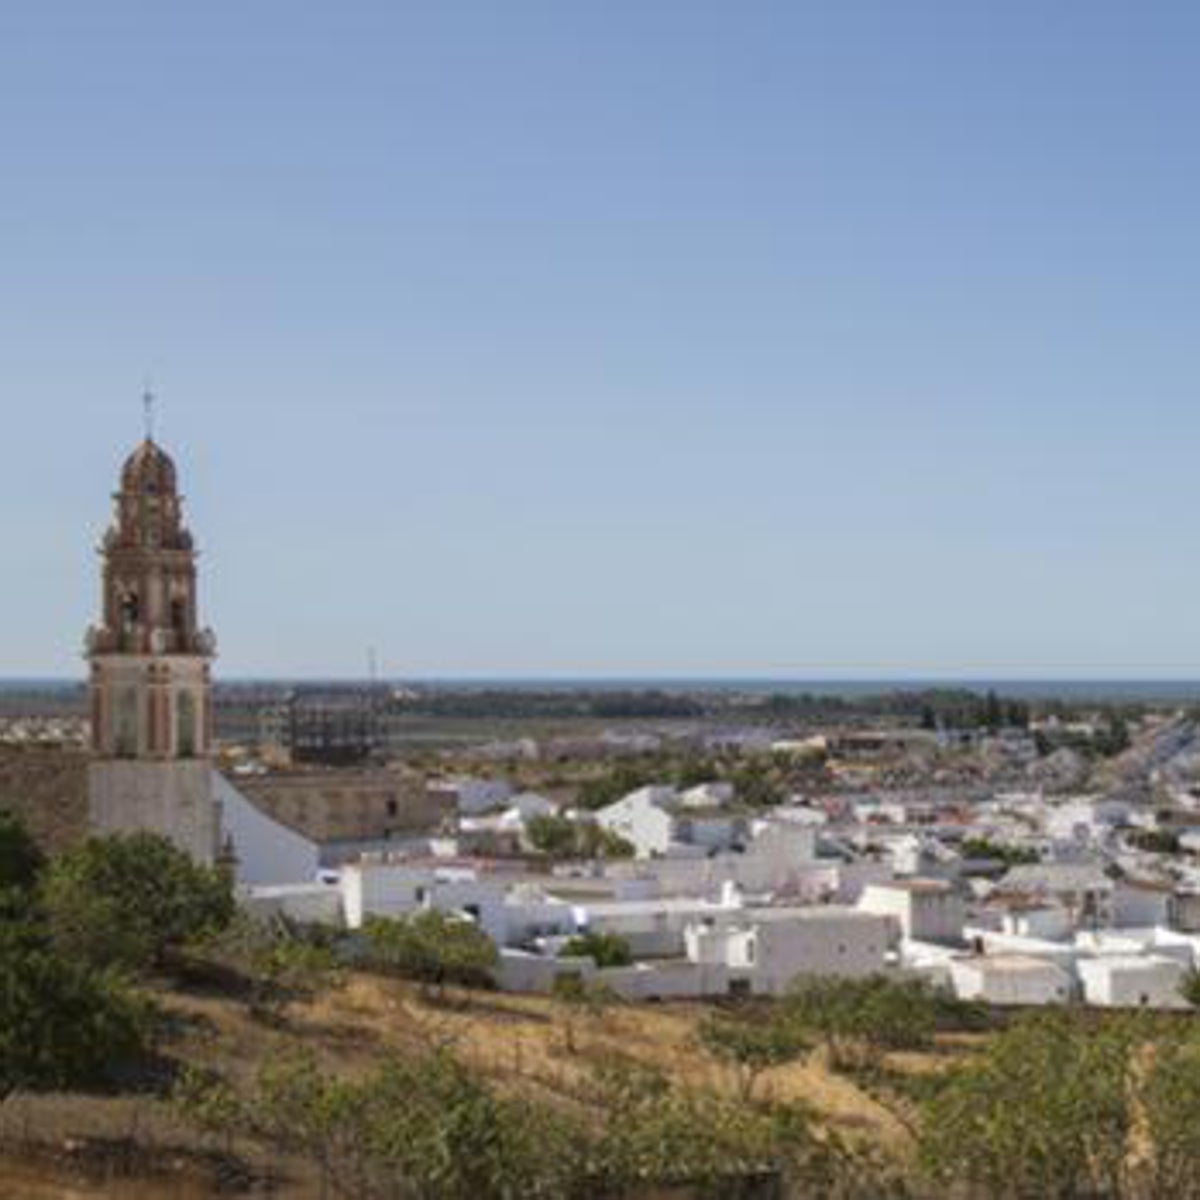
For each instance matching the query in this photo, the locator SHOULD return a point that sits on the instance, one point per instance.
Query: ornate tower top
(149, 603)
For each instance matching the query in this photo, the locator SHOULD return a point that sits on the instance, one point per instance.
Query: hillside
(63, 1145)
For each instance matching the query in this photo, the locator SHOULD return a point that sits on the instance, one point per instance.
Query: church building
(151, 693)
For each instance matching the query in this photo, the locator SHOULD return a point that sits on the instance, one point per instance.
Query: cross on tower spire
(148, 411)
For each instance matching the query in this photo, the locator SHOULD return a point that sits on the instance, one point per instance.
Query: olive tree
(131, 900)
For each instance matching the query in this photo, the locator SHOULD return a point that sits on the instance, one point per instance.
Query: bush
(431, 948)
(429, 1127)
(131, 900)
(751, 1047)
(416, 1127)
(560, 837)
(1045, 1111)
(604, 949)
(858, 1019)
(21, 861)
(62, 1024)
(277, 963)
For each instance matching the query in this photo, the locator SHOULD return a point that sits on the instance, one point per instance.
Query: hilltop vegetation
(147, 1028)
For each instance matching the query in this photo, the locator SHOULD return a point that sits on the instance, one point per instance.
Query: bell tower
(150, 659)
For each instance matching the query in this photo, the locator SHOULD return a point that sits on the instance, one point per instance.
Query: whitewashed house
(1137, 903)
(642, 818)
(657, 824)
(927, 910)
(1083, 889)
(765, 949)
(1011, 979)
(1142, 981)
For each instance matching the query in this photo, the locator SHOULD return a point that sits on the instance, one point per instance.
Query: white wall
(826, 942)
(267, 852)
(1137, 907)
(994, 982)
(1148, 982)
(382, 890)
(925, 916)
(639, 819)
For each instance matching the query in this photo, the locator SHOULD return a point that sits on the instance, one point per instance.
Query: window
(130, 611)
(125, 724)
(185, 725)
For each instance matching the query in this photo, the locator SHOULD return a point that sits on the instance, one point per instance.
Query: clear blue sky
(635, 337)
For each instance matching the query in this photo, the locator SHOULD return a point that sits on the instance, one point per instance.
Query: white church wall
(267, 852)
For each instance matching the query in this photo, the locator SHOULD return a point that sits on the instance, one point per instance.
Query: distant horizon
(1146, 688)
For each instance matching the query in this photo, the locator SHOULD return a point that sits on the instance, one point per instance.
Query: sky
(622, 337)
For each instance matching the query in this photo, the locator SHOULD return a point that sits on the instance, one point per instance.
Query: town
(710, 843)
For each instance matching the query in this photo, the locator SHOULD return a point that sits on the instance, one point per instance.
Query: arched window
(185, 725)
(131, 611)
(125, 723)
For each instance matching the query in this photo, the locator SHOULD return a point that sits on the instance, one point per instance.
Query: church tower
(150, 659)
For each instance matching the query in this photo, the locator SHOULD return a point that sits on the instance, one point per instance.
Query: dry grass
(520, 1042)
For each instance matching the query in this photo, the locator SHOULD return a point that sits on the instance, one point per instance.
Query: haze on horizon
(677, 339)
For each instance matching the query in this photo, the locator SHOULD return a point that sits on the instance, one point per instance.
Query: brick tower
(150, 671)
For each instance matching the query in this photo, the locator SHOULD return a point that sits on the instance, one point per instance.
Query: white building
(1011, 979)
(927, 910)
(657, 823)
(642, 819)
(767, 948)
(1143, 981)
(266, 851)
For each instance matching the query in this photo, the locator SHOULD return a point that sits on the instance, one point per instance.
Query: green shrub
(62, 1024)
(131, 900)
(431, 948)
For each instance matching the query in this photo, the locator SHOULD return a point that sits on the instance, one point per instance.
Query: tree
(597, 842)
(1155, 841)
(1169, 1110)
(1189, 987)
(579, 998)
(21, 861)
(424, 1127)
(858, 1019)
(552, 835)
(751, 1048)
(279, 964)
(62, 1024)
(707, 1145)
(431, 948)
(560, 837)
(608, 789)
(131, 900)
(983, 847)
(604, 949)
(1043, 1112)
